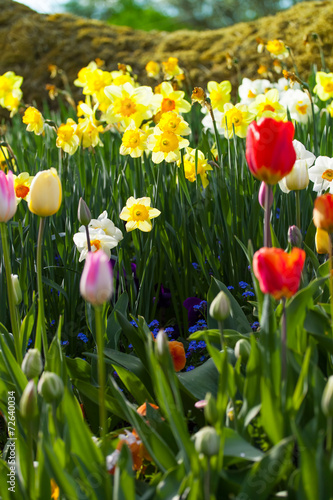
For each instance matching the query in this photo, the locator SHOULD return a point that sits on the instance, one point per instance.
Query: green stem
(88, 239)
(331, 279)
(101, 374)
(284, 341)
(298, 209)
(267, 216)
(41, 330)
(329, 434)
(217, 137)
(207, 481)
(10, 291)
(220, 324)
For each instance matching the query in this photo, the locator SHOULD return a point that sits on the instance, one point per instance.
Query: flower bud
(210, 410)
(96, 285)
(51, 387)
(28, 401)
(207, 441)
(327, 398)
(162, 346)
(323, 241)
(243, 350)
(220, 308)
(16, 289)
(32, 364)
(83, 213)
(45, 193)
(299, 176)
(295, 236)
(8, 203)
(262, 195)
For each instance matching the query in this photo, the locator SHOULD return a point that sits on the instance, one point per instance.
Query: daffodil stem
(298, 209)
(41, 336)
(101, 375)
(10, 291)
(331, 279)
(217, 137)
(88, 239)
(284, 341)
(267, 216)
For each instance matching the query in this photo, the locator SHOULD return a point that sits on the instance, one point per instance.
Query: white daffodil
(298, 178)
(321, 174)
(299, 105)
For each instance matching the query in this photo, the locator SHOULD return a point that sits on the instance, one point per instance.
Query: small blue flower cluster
(83, 337)
(189, 368)
(230, 287)
(134, 323)
(200, 325)
(29, 342)
(52, 322)
(195, 265)
(243, 284)
(248, 294)
(201, 307)
(195, 346)
(277, 215)
(255, 325)
(64, 343)
(169, 330)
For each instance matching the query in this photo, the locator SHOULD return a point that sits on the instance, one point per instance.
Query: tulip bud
(32, 364)
(295, 236)
(17, 289)
(96, 285)
(220, 308)
(210, 410)
(262, 195)
(162, 346)
(327, 398)
(243, 350)
(299, 176)
(45, 193)
(323, 241)
(8, 203)
(207, 441)
(51, 387)
(28, 401)
(83, 213)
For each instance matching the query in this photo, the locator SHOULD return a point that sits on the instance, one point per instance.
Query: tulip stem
(284, 341)
(88, 239)
(101, 374)
(298, 210)
(220, 323)
(329, 434)
(331, 278)
(41, 336)
(267, 217)
(10, 291)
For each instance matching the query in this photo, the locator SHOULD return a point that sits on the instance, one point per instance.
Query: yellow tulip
(45, 193)
(322, 240)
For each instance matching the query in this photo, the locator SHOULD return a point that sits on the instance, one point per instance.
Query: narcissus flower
(7, 196)
(128, 103)
(278, 272)
(219, 94)
(138, 214)
(277, 49)
(10, 91)
(133, 142)
(178, 356)
(236, 119)
(168, 99)
(250, 89)
(270, 153)
(193, 166)
(299, 105)
(153, 69)
(323, 212)
(22, 183)
(298, 178)
(45, 193)
(98, 241)
(165, 145)
(67, 139)
(171, 68)
(321, 174)
(96, 284)
(267, 105)
(174, 123)
(34, 120)
(324, 87)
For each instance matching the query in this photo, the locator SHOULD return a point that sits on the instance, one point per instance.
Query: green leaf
(113, 328)
(123, 487)
(235, 446)
(201, 380)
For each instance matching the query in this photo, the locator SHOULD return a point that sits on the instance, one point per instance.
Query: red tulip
(323, 212)
(270, 153)
(278, 272)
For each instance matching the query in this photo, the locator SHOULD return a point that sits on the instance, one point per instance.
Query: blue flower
(202, 358)
(195, 265)
(255, 325)
(243, 284)
(230, 287)
(130, 346)
(155, 332)
(154, 324)
(134, 323)
(277, 215)
(64, 342)
(248, 294)
(52, 322)
(83, 337)
(189, 368)
(29, 342)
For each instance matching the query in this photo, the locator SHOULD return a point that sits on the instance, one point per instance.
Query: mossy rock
(29, 42)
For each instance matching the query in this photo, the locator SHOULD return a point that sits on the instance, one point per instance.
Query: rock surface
(29, 42)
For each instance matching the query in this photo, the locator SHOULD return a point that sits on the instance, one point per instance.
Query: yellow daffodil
(165, 145)
(138, 214)
(128, 103)
(324, 87)
(12, 101)
(268, 105)
(236, 118)
(133, 142)
(22, 183)
(34, 120)
(67, 139)
(88, 133)
(171, 68)
(153, 69)
(169, 99)
(277, 49)
(329, 108)
(219, 93)
(82, 76)
(96, 81)
(45, 193)
(173, 122)
(193, 166)
(8, 83)
(55, 492)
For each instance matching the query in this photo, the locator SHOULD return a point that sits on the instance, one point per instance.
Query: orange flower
(177, 352)
(278, 272)
(142, 410)
(323, 212)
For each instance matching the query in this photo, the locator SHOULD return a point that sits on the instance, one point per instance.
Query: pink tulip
(96, 285)
(262, 195)
(7, 196)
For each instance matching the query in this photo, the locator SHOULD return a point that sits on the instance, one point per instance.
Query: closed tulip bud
(262, 195)
(207, 441)
(162, 346)
(220, 308)
(96, 284)
(17, 289)
(8, 203)
(299, 177)
(210, 410)
(51, 387)
(243, 350)
(295, 236)
(327, 398)
(323, 241)
(32, 364)
(83, 213)
(45, 193)
(28, 401)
